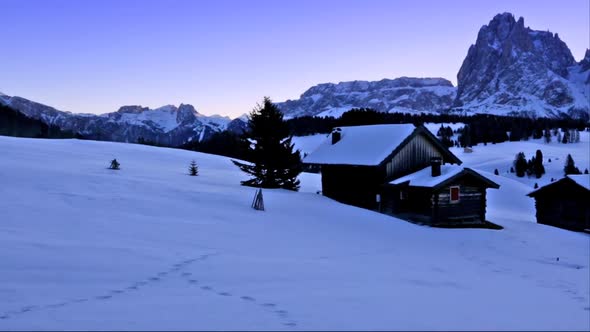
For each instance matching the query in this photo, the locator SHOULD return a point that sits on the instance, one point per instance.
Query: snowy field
(150, 248)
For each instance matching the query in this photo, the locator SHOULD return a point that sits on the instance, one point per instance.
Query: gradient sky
(223, 56)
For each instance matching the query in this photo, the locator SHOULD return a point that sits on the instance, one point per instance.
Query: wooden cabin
(355, 162)
(439, 195)
(564, 203)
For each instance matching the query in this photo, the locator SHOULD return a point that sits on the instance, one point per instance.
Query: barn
(564, 203)
(355, 162)
(439, 195)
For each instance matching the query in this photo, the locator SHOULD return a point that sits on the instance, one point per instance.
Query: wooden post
(258, 202)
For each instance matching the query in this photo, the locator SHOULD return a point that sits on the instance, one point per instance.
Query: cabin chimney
(435, 166)
(336, 135)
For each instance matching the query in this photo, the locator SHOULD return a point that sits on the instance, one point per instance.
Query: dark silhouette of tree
(115, 165)
(520, 164)
(193, 169)
(274, 163)
(570, 166)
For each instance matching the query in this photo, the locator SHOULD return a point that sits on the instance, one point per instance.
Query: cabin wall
(355, 185)
(412, 157)
(564, 206)
(471, 205)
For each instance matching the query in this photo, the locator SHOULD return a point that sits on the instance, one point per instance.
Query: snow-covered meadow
(150, 248)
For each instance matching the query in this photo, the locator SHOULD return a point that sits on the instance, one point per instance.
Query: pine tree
(520, 164)
(586, 171)
(566, 136)
(547, 135)
(536, 185)
(496, 172)
(570, 166)
(538, 168)
(115, 165)
(193, 169)
(274, 163)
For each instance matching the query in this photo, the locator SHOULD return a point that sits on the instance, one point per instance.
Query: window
(455, 194)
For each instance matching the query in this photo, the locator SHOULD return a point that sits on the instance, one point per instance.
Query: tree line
(14, 123)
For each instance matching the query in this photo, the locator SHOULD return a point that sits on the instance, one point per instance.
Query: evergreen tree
(274, 163)
(536, 185)
(538, 168)
(496, 172)
(547, 135)
(570, 166)
(566, 136)
(586, 171)
(465, 137)
(520, 164)
(115, 165)
(193, 169)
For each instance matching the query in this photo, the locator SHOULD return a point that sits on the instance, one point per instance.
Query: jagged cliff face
(167, 125)
(512, 69)
(403, 94)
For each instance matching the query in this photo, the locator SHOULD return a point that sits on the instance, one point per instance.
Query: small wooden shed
(564, 203)
(439, 195)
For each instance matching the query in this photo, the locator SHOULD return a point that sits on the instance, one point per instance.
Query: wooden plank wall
(412, 157)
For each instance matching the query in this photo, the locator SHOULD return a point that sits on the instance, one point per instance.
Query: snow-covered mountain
(404, 94)
(513, 69)
(167, 125)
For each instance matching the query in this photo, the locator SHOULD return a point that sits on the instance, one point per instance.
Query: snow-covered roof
(581, 179)
(424, 178)
(361, 145)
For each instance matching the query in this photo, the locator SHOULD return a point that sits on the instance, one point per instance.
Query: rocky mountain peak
(512, 68)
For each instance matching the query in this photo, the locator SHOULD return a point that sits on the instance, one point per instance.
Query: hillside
(149, 247)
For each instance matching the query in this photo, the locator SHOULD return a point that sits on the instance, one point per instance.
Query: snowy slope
(148, 247)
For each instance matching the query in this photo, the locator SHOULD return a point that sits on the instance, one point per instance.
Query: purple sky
(223, 56)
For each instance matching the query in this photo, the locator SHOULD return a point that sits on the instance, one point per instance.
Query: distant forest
(14, 123)
(481, 128)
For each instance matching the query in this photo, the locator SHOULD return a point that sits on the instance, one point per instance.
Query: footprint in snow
(290, 324)
(247, 298)
(269, 305)
(56, 305)
(186, 274)
(193, 281)
(154, 279)
(103, 297)
(206, 288)
(224, 294)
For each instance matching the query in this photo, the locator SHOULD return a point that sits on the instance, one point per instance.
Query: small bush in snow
(496, 172)
(115, 165)
(193, 169)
